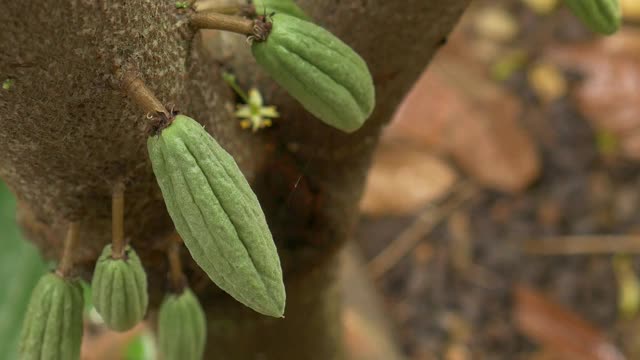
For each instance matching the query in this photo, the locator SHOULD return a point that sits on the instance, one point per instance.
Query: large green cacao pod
(325, 75)
(182, 327)
(602, 16)
(119, 289)
(288, 7)
(52, 329)
(217, 215)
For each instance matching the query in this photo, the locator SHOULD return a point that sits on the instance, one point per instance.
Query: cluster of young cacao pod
(602, 16)
(321, 72)
(53, 326)
(209, 200)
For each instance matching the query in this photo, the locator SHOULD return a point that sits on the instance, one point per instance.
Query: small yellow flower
(254, 114)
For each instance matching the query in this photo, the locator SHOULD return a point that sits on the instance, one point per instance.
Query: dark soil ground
(420, 293)
(436, 302)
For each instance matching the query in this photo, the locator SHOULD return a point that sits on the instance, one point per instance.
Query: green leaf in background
(20, 268)
(142, 347)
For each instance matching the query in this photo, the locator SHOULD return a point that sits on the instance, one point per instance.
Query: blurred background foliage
(20, 268)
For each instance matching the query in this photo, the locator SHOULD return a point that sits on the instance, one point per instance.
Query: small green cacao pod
(119, 289)
(602, 16)
(217, 215)
(182, 327)
(288, 7)
(52, 329)
(325, 75)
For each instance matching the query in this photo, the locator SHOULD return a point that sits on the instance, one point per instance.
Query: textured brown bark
(68, 134)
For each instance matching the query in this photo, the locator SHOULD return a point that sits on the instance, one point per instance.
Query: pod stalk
(117, 221)
(138, 91)
(248, 10)
(218, 21)
(176, 276)
(66, 261)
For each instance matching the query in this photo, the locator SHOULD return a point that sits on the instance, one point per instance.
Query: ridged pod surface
(217, 215)
(52, 329)
(324, 74)
(288, 7)
(182, 328)
(602, 16)
(119, 289)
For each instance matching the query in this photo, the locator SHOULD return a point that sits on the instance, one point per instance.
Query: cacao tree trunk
(68, 134)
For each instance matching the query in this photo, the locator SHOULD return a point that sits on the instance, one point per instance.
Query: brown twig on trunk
(217, 21)
(136, 89)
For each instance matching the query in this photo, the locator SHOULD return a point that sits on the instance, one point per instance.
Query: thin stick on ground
(117, 221)
(583, 245)
(422, 226)
(66, 261)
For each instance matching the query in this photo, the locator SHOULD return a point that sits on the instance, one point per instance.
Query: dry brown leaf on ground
(426, 113)
(366, 332)
(362, 339)
(559, 329)
(609, 95)
(494, 150)
(455, 108)
(486, 138)
(464, 114)
(404, 179)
